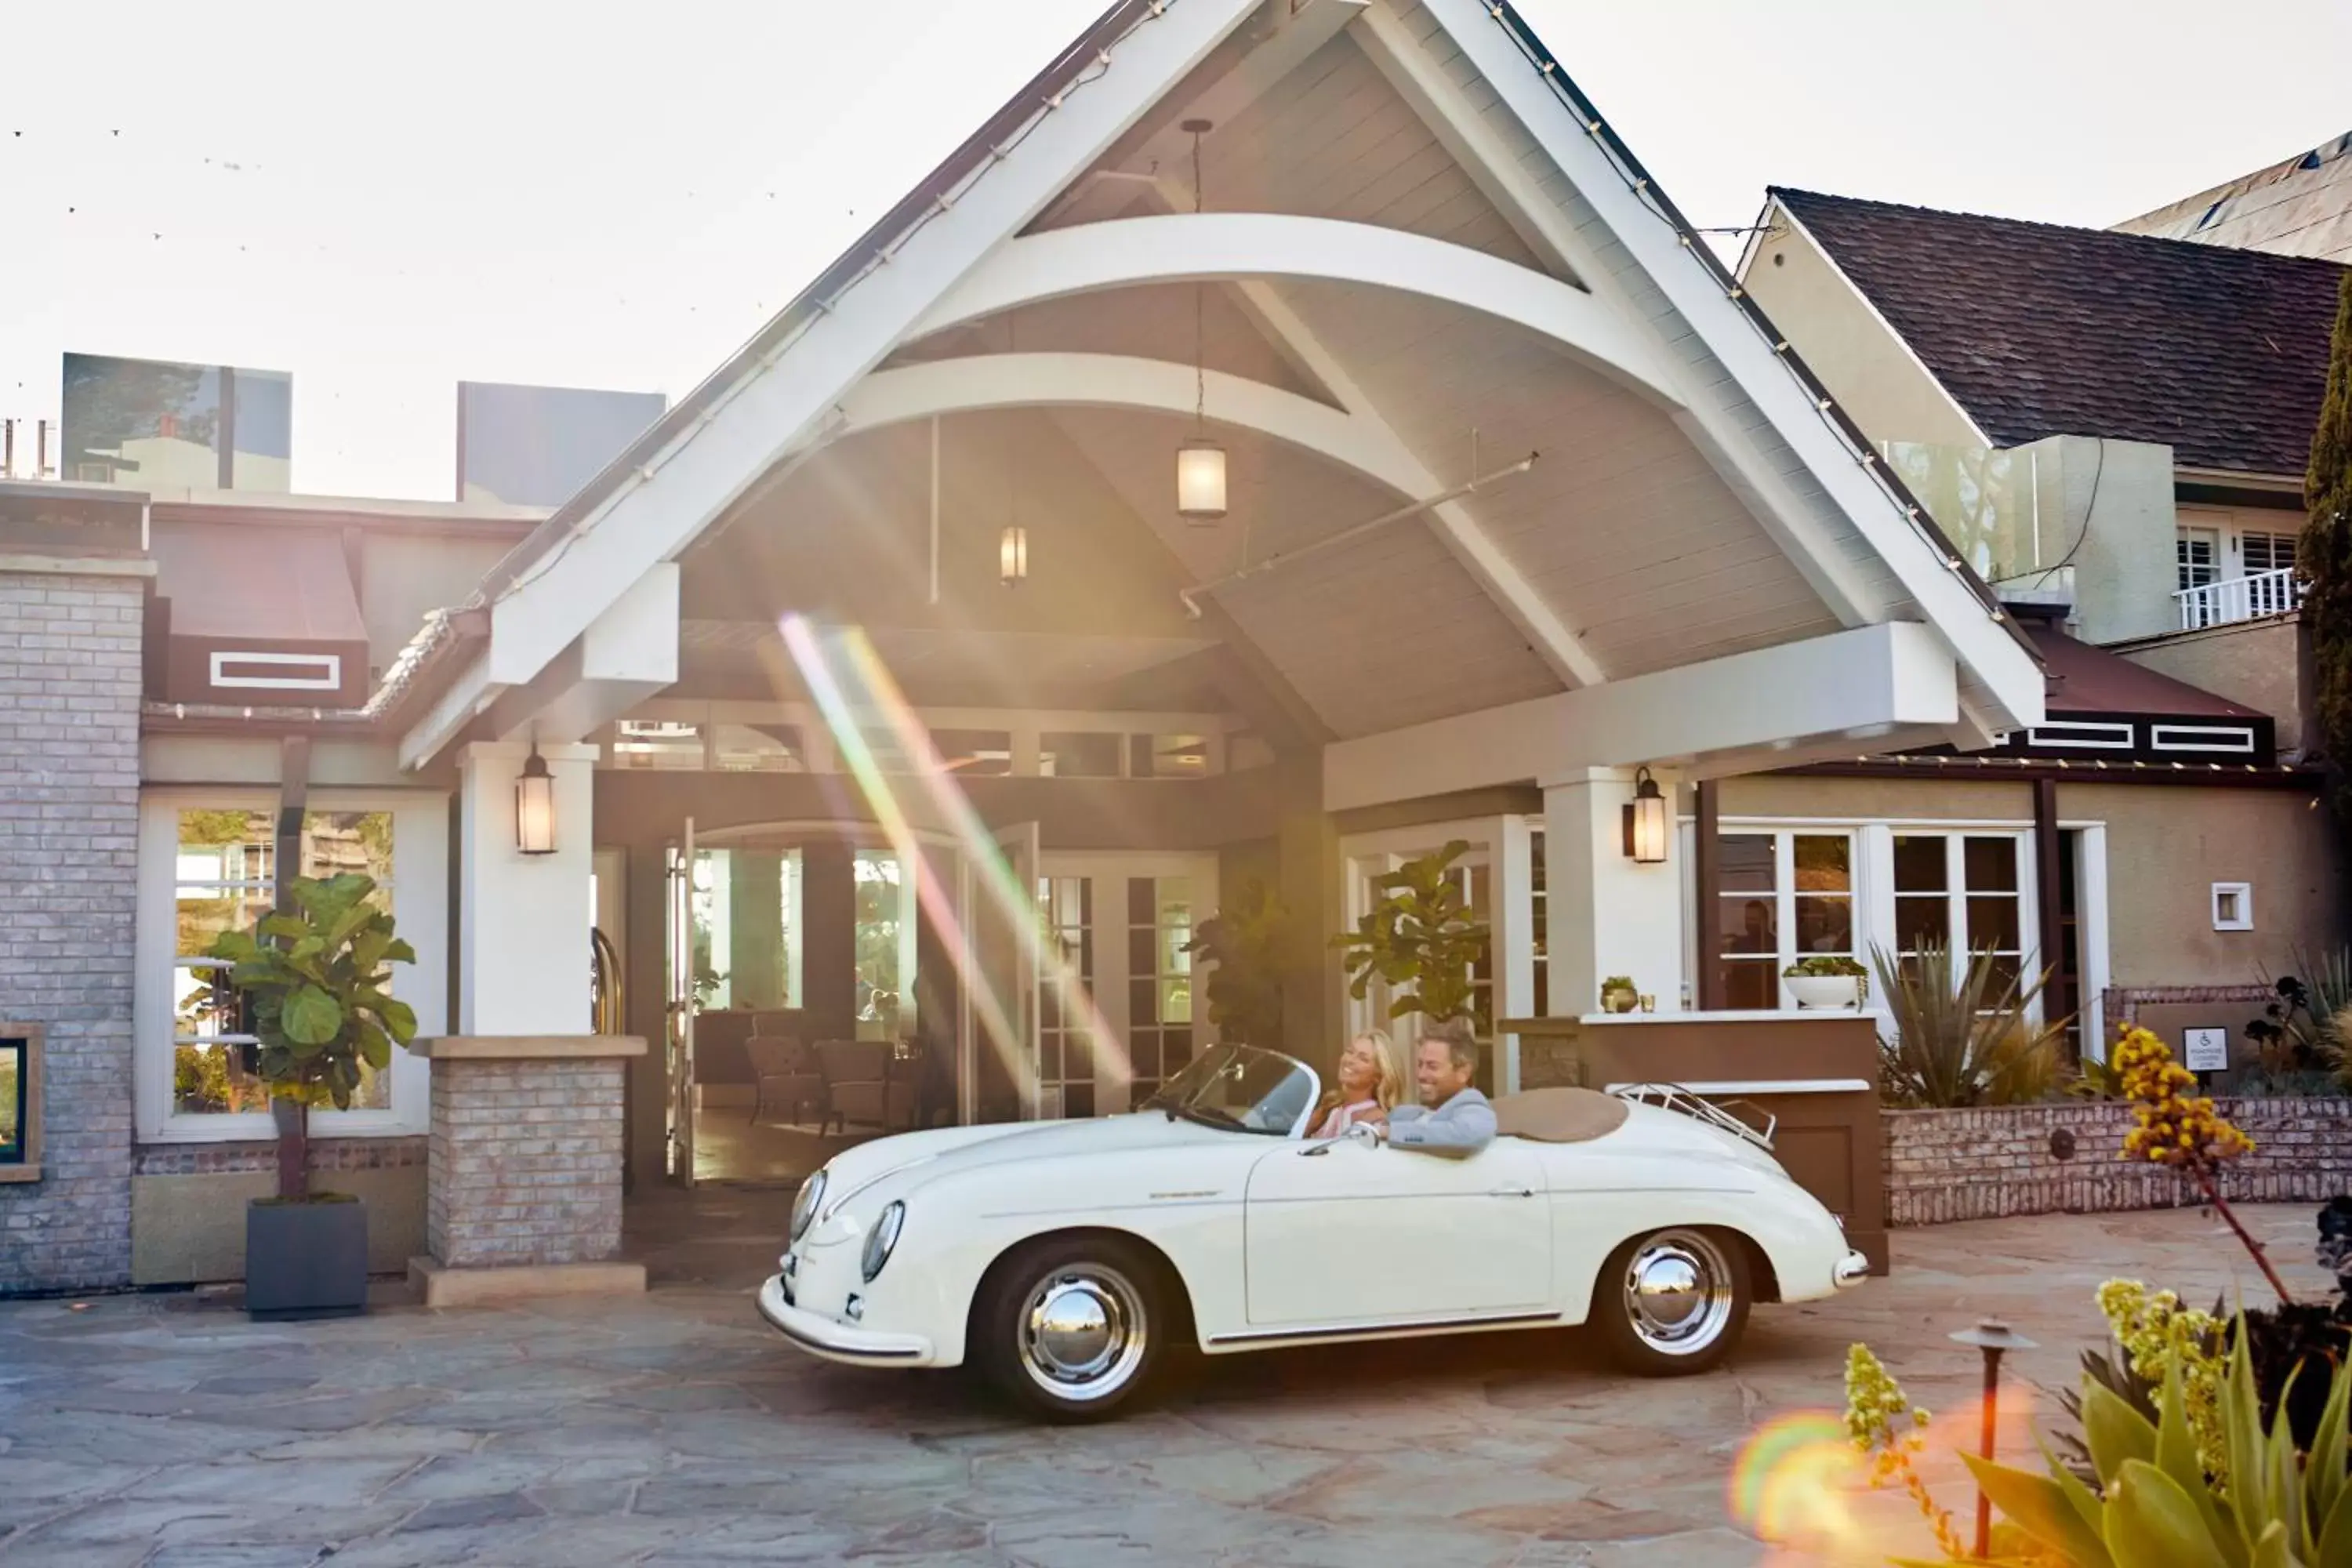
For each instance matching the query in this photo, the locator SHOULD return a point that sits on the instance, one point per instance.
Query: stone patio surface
(167, 1431)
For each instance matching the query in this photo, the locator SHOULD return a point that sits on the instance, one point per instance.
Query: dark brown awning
(258, 615)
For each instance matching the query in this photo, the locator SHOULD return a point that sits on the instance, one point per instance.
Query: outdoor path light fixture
(1645, 821)
(535, 806)
(1992, 1337)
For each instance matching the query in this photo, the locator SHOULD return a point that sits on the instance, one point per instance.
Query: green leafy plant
(1962, 1042)
(1248, 942)
(1420, 938)
(2323, 557)
(1617, 983)
(313, 977)
(1826, 965)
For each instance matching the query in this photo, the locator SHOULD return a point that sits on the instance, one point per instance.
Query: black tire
(1114, 1321)
(1673, 1302)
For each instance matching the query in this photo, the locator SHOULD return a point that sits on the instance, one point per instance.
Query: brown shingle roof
(2041, 330)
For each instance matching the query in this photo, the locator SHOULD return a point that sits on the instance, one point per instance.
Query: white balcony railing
(2239, 599)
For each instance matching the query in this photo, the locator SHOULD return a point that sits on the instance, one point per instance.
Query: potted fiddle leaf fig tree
(313, 976)
(1420, 938)
(1246, 944)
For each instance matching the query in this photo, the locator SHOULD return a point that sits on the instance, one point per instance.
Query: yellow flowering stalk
(1882, 1422)
(2175, 1126)
(2158, 1334)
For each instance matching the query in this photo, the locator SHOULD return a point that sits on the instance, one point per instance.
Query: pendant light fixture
(1013, 543)
(1199, 462)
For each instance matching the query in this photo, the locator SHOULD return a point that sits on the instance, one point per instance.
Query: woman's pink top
(1343, 1117)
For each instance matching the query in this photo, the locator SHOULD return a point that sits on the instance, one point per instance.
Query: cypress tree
(2325, 558)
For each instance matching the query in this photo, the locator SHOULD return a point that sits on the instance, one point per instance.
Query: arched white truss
(938, 387)
(1186, 246)
(1364, 446)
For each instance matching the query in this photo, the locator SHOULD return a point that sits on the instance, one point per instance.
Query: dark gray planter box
(305, 1259)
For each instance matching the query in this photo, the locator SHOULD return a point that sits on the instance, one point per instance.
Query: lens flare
(849, 680)
(1794, 1481)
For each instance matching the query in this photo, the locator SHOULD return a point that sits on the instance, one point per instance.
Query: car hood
(921, 1158)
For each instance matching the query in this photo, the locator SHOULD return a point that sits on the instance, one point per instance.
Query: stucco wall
(2167, 848)
(2104, 511)
(1867, 368)
(190, 1229)
(1923, 799)
(2257, 663)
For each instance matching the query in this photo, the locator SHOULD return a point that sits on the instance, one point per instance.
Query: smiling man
(1452, 1119)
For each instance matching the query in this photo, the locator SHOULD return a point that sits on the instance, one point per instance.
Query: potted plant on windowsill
(313, 978)
(1827, 981)
(1619, 994)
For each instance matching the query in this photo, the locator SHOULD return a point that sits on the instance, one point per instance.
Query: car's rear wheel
(1673, 1302)
(1071, 1327)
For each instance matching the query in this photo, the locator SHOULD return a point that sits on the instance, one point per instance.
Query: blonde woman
(1369, 1086)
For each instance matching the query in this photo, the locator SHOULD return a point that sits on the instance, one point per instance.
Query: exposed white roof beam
(1175, 247)
(742, 434)
(1998, 663)
(1748, 709)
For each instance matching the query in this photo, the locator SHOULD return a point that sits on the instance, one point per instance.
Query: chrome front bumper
(823, 1336)
(1851, 1270)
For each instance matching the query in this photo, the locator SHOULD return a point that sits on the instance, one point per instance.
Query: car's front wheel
(1071, 1327)
(1673, 1302)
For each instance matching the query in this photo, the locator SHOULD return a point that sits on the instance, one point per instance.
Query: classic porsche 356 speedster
(1062, 1257)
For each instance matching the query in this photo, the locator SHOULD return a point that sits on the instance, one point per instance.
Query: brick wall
(1980, 1164)
(69, 692)
(327, 1155)
(525, 1162)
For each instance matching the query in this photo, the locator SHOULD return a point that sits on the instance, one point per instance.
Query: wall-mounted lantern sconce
(535, 806)
(1645, 821)
(1013, 557)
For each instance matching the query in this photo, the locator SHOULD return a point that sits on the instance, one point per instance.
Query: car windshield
(1240, 1087)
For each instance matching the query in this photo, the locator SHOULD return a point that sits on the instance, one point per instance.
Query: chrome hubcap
(1678, 1293)
(1083, 1332)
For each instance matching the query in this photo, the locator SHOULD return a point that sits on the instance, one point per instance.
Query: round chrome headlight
(804, 1208)
(882, 1238)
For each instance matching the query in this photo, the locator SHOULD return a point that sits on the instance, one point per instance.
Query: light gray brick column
(523, 1173)
(69, 696)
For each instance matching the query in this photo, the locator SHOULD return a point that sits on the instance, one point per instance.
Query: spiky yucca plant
(1964, 1041)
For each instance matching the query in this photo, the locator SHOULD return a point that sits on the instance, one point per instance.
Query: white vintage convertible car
(1063, 1257)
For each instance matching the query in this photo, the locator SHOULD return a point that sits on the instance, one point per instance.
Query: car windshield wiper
(1207, 1115)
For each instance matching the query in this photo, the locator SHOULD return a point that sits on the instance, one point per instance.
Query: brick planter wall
(1982, 1165)
(524, 1167)
(70, 691)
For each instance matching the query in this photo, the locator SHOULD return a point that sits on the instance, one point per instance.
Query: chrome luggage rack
(1674, 1097)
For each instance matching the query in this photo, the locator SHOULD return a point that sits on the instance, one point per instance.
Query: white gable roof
(1599, 267)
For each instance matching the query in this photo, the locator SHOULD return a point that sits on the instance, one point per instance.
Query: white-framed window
(207, 864)
(2198, 555)
(1964, 890)
(2234, 906)
(1783, 894)
(2267, 551)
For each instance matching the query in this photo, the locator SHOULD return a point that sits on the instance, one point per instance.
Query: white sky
(601, 194)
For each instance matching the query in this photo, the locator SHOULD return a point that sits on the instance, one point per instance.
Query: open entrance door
(997, 1029)
(678, 1043)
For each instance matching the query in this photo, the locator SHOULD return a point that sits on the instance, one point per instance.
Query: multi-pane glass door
(1117, 1005)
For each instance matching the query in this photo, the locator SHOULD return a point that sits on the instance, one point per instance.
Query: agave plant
(1967, 1042)
(2155, 1504)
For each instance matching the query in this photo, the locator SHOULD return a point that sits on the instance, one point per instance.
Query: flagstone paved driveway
(167, 1431)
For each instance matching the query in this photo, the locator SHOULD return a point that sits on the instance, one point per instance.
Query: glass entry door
(678, 1037)
(1117, 1010)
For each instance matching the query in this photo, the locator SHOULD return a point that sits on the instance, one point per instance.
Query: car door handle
(1511, 1193)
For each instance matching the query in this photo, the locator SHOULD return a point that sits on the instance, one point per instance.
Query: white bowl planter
(1827, 992)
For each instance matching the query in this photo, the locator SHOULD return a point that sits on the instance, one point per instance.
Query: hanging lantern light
(1645, 821)
(535, 806)
(1012, 556)
(1200, 481)
(1199, 462)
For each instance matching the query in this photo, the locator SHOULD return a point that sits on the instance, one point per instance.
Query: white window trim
(420, 893)
(2244, 893)
(1874, 889)
(1785, 895)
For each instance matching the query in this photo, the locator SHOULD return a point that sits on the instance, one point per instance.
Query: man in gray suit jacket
(1452, 1119)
